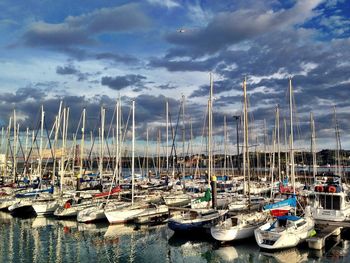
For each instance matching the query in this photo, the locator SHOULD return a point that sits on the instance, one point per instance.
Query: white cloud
(166, 3)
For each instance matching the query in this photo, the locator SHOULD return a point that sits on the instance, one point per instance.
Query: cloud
(81, 30)
(121, 82)
(71, 70)
(167, 86)
(228, 28)
(118, 58)
(66, 70)
(166, 3)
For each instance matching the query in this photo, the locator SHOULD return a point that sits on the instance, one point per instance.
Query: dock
(324, 230)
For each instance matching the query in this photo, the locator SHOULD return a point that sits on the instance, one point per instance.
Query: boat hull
(21, 209)
(232, 233)
(45, 208)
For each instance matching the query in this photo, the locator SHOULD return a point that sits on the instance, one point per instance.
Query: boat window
(234, 221)
(290, 223)
(282, 222)
(330, 202)
(301, 223)
(336, 202)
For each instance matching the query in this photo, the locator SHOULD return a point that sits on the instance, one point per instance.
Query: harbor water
(49, 240)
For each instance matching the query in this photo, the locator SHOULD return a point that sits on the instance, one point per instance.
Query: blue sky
(90, 52)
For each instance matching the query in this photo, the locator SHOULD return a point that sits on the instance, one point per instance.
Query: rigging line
(48, 136)
(92, 147)
(31, 146)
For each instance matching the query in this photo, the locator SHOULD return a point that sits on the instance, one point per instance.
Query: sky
(90, 52)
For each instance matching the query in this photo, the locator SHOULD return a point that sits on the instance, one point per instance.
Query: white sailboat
(47, 206)
(243, 225)
(238, 227)
(133, 210)
(331, 202)
(289, 230)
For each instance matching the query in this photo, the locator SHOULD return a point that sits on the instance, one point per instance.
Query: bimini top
(289, 217)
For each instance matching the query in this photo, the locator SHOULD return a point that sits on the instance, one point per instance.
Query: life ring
(332, 189)
(319, 188)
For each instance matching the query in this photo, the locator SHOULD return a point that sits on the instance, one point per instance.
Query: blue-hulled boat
(195, 219)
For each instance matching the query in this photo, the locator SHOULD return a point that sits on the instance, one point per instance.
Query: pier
(324, 230)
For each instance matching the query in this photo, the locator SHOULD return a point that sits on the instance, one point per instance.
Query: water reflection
(292, 255)
(50, 240)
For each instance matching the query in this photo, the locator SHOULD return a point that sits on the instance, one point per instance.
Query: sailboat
(200, 218)
(133, 210)
(48, 205)
(289, 230)
(242, 225)
(331, 200)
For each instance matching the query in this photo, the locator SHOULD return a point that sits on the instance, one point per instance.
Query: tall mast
(7, 145)
(292, 172)
(118, 139)
(63, 147)
(210, 127)
(183, 136)
(272, 159)
(26, 152)
(133, 153)
(167, 134)
(286, 147)
(313, 146)
(158, 150)
(238, 118)
(14, 171)
(191, 146)
(41, 141)
(337, 137)
(225, 146)
(57, 129)
(149, 178)
(265, 144)
(278, 142)
(82, 149)
(103, 112)
(246, 171)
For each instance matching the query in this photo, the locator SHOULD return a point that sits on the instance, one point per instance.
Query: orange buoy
(319, 188)
(332, 189)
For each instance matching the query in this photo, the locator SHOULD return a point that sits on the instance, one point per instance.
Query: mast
(210, 127)
(133, 154)
(118, 139)
(272, 159)
(337, 137)
(14, 171)
(82, 149)
(191, 146)
(149, 177)
(313, 146)
(246, 170)
(286, 146)
(183, 136)
(7, 145)
(102, 142)
(225, 146)
(278, 142)
(41, 142)
(265, 144)
(63, 148)
(158, 150)
(26, 152)
(238, 118)
(57, 128)
(292, 172)
(167, 134)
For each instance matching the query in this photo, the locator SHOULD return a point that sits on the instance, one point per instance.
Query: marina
(174, 131)
(46, 239)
